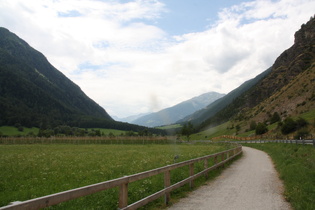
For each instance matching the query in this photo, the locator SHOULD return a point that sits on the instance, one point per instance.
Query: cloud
(121, 58)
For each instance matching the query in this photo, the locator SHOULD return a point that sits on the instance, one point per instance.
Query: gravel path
(249, 183)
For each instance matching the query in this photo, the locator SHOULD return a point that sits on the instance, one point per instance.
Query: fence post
(191, 173)
(223, 158)
(206, 166)
(123, 196)
(167, 183)
(313, 142)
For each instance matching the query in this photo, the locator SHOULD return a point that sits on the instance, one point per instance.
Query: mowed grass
(296, 166)
(31, 171)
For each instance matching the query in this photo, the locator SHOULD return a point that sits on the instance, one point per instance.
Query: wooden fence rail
(123, 182)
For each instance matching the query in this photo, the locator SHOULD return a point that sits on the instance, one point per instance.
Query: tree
(275, 118)
(261, 128)
(301, 123)
(187, 129)
(288, 126)
(252, 125)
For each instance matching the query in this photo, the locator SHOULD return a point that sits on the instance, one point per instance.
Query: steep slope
(33, 92)
(213, 108)
(177, 112)
(294, 71)
(294, 63)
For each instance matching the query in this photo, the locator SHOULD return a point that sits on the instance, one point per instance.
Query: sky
(139, 56)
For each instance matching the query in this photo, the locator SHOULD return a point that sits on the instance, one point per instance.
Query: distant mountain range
(172, 114)
(131, 118)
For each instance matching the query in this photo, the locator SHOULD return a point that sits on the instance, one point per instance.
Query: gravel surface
(249, 183)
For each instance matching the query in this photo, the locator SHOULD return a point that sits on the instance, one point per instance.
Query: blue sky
(141, 56)
(189, 16)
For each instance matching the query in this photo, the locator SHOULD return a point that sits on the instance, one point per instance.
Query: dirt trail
(249, 183)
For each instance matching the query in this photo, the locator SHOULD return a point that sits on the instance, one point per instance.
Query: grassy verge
(30, 171)
(296, 166)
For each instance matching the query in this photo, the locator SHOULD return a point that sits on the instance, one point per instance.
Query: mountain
(131, 118)
(172, 114)
(286, 87)
(212, 109)
(34, 93)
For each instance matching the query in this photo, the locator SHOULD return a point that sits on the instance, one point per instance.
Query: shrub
(302, 133)
(289, 126)
(301, 123)
(275, 118)
(252, 125)
(261, 128)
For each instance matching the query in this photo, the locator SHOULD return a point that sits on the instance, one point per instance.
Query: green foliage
(290, 125)
(302, 133)
(301, 123)
(30, 171)
(13, 131)
(296, 166)
(261, 128)
(252, 125)
(187, 130)
(275, 118)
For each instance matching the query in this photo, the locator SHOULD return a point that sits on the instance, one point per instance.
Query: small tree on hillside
(187, 130)
(275, 118)
(261, 128)
(288, 126)
(252, 125)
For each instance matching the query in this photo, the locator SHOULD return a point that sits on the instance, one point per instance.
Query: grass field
(13, 131)
(296, 166)
(30, 171)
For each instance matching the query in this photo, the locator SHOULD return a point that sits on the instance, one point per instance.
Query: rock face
(288, 65)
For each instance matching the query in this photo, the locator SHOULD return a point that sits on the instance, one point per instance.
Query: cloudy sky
(137, 56)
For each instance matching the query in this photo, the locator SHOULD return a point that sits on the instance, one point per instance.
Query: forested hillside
(34, 93)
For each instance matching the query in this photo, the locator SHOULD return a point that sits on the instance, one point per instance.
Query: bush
(261, 128)
(289, 126)
(275, 118)
(301, 123)
(252, 125)
(302, 133)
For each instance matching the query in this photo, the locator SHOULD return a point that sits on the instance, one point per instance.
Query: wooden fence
(219, 159)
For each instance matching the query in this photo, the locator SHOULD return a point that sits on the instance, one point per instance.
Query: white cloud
(120, 57)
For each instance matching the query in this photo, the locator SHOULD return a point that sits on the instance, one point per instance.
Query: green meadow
(13, 131)
(31, 171)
